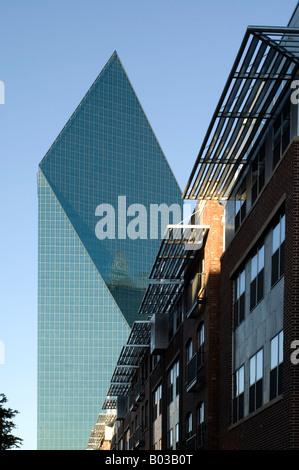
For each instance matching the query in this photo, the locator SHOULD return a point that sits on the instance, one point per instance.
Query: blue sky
(177, 55)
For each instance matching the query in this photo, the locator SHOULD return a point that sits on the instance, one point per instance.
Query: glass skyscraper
(105, 160)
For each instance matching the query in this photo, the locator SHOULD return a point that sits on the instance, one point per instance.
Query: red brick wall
(276, 425)
(213, 247)
(213, 216)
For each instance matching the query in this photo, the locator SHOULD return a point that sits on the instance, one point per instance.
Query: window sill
(277, 281)
(258, 303)
(235, 327)
(256, 412)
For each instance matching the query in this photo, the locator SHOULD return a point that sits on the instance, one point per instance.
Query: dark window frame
(240, 212)
(256, 385)
(257, 282)
(239, 298)
(239, 390)
(201, 342)
(157, 402)
(277, 258)
(281, 133)
(189, 425)
(276, 369)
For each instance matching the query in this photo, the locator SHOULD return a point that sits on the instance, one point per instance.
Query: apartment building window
(158, 444)
(189, 350)
(240, 210)
(257, 277)
(201, 343)
(173, 405)
(189, 426)
(278, 248)
(170, 439)
(276, 365)
(200, 424)
(157, 417)
(173, 382)
(155, 358)
(281, 133)
(173, 438)
(127, 439)
(256, 381)
(258, 174)
(157, 402)
(239, 304)
(175, 319)
(120, 444)
(238, 402)
(170, 387)
(177, 435)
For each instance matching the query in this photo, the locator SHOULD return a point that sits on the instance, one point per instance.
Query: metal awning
(129, 360)
(166, 278)
(266, 64)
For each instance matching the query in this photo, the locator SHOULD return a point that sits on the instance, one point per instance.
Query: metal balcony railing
(195, 440)
(132, 401)
(131, 444)
(138, 437)
(139, 391)
(191, 442)
(136, 395)
(195, 372)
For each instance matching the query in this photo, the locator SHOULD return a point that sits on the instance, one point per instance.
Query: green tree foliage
(7, 440)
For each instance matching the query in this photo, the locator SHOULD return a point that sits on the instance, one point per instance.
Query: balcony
(136, 396)
(133, 405)
(195, 296)
(137, 439)
(195, 441)
(191, 442)
(122, 407)
(159, 333)
(139, 391)
(195, 373)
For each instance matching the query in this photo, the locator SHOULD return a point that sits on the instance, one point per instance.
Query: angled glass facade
(90, 287)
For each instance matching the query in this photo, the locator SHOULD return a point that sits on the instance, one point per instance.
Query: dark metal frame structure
(166, 283)
(166, 280)
(266, 64)
(128, 362)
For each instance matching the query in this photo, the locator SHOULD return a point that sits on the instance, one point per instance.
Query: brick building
(251, 162)
(164, 386)
(212, 363)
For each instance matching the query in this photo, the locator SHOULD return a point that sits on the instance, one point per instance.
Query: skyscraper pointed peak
(106, 153)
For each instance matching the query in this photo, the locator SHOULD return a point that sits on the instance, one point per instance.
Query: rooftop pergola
(265, 66)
